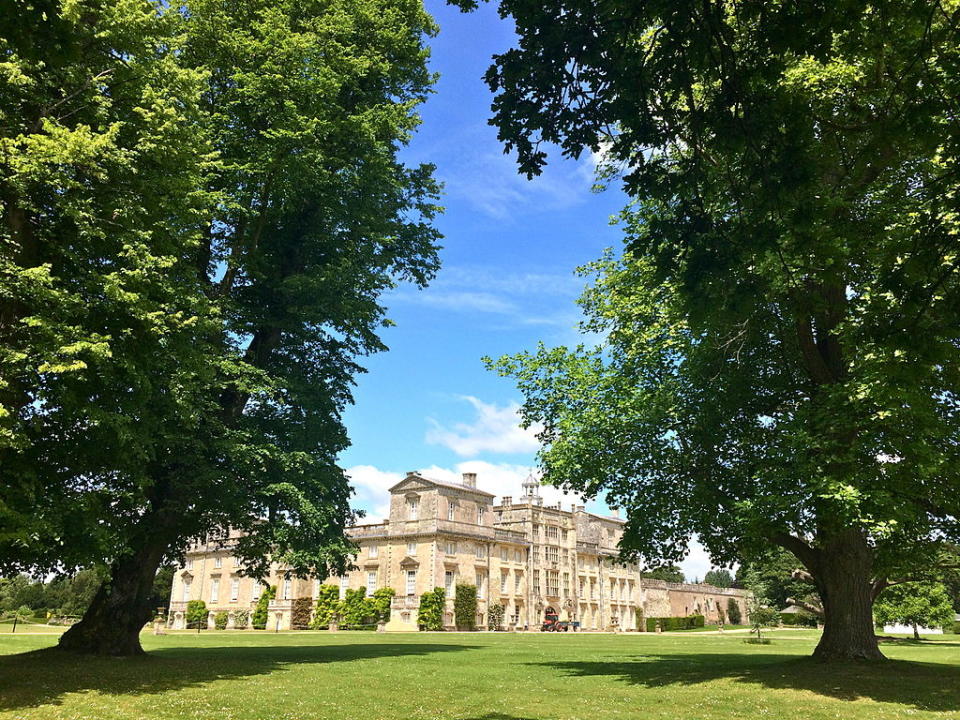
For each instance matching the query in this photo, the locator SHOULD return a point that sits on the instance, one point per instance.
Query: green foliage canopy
(916, 604)
(780, 336)
(202, 205)
(720, 578)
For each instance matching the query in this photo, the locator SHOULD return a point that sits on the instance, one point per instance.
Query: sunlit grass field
(480, 676)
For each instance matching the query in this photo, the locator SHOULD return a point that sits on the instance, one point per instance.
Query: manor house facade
(530, 557)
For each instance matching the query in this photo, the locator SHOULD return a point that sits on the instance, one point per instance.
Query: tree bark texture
(844, 580)
(121, 607)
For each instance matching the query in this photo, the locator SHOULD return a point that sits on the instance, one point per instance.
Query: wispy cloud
(514, 299)
(473, 168)
(494, 429)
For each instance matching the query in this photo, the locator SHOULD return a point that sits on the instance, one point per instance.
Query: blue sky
(510, 250)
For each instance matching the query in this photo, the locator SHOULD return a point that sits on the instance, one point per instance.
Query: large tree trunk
(844, 579)
(121, 607)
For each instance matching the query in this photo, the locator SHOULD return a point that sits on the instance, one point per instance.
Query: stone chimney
(615, 512)
(470, 480)
(507, 501)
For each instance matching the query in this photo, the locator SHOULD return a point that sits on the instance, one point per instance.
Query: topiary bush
(733, 611)
(432, 603)
(381, 603)
(300, 613)
(495, 617)
(220, 620)
(327, 609)
(241, 618)
(260, 612)
(197, 615)
(465, 607)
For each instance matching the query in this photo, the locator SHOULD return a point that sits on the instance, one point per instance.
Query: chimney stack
(470, 480)
(615, 512)
(507, 501)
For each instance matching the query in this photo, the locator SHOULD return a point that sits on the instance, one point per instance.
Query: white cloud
(501, 479)
(371, 486)
(494, 429)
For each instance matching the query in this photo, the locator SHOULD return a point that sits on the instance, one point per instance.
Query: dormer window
(413, 508)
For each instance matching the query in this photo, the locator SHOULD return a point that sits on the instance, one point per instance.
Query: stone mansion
(530, 557)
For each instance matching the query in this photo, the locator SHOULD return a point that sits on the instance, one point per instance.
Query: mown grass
(481, 676)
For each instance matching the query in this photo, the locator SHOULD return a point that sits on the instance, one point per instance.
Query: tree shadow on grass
(45, 676)
(924, 686)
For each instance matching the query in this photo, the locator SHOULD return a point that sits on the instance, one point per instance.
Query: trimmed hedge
(220, 620)
(675, 623)
(956, 628)
(803, 619)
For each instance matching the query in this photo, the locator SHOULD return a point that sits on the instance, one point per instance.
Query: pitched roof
(440, 483)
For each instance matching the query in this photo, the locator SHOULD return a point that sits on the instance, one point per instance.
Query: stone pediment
(186, 575)
(409, 562)
(412, 484)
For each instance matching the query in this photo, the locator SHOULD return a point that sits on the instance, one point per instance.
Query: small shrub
(465, 607)
(956, 628)
(197, 614)
(241, 618)
(757, 641)
(220, 620)
(761, 617)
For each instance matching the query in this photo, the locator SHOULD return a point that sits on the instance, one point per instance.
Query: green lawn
(368, 676)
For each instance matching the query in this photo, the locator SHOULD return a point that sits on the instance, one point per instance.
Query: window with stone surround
(517, 576)
(504, 555)
(552, 553)
(413, 508)
(257, 589)
(449, 583)
(481, 585)
(566, 584)
(451, 547)
(517, 556)
(374, 551)
(504, 577)
(218, 562)
(412, 548)
(189, 563)
(371, 581)
(411, 582)
(214, 590)
(536, 581)
(451, 509)
(553, 532)
(186, 591)
(481, 551)
(287, 588)
(553, 583)
(344, 584)
(234, 589)
(480, 509)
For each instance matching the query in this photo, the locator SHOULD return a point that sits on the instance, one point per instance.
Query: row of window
(286, 591)
(413, 510)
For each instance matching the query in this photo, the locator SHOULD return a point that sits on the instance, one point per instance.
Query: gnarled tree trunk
(121, 607)
(843, 576)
